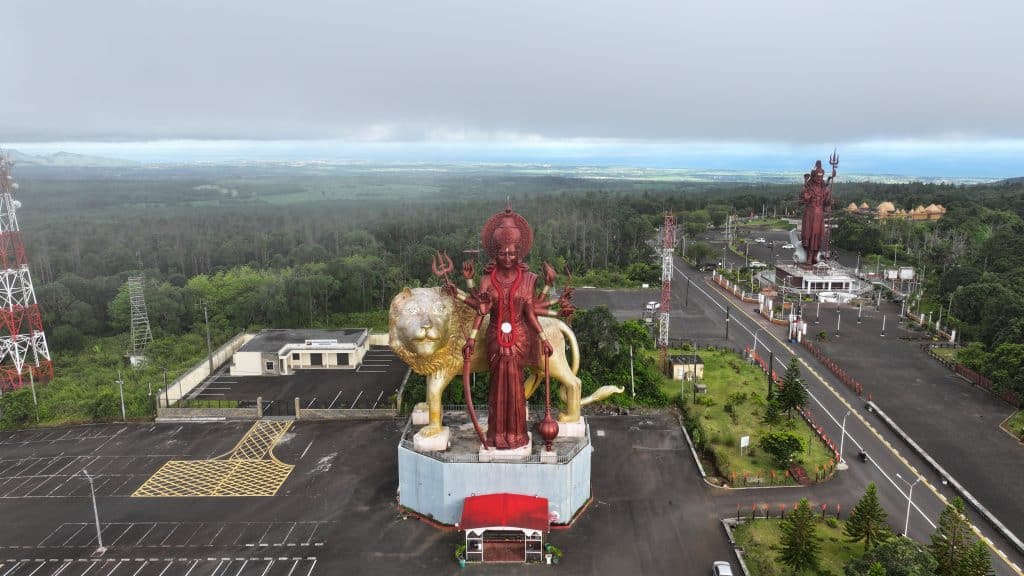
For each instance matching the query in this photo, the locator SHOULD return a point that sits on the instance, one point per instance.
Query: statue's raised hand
(468, 270)
(549, 274)
(450, 289)
(467, 350)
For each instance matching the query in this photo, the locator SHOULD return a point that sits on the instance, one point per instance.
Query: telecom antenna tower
(141, 334)
(24, 355)
(668, 242)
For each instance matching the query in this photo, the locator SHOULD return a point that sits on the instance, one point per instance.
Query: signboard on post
(744, 442)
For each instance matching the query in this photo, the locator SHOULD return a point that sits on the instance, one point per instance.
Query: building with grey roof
(280, 352)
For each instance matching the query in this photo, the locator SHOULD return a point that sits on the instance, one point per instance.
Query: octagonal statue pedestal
(434, 483)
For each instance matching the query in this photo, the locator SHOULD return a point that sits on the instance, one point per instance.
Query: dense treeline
(328, 246)
(972, 262)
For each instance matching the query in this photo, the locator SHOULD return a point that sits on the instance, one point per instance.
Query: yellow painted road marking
(249, 469)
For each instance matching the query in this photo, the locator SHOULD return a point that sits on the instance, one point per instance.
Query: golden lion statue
(428, 334)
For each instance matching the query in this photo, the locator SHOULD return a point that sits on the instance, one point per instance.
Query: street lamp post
(756, 332)
(96, 514)
(842, 439)
(910, 495)
(838, 318)
(120, 389)
(728, 308)
(817, 313)
(883, 326)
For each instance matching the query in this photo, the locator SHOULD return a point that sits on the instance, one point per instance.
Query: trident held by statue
(442, 265)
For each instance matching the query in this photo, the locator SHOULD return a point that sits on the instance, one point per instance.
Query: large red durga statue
(508, 294)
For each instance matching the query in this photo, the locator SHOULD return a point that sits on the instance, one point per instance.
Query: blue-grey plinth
(434, 484)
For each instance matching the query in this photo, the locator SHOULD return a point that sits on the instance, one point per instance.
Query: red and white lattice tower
(22, 340)
(668, 242)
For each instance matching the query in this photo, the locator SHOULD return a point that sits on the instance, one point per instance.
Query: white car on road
(788, 246)
(721, 569)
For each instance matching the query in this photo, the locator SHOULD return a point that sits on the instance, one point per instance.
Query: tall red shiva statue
(816, 197)
(508, 295)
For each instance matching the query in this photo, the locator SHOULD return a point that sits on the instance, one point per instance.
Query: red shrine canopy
(505, 510)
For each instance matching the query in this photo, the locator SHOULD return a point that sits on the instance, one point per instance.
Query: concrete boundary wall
(206, 414)
(201, 371)
(380, 339)
(346, 414)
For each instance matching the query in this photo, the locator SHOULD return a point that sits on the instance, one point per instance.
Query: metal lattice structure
(141, 334)
(23, 350)
(668, 242)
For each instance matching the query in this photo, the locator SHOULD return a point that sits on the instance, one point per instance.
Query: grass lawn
(1015, 424)
(760, 542)
(732, 381)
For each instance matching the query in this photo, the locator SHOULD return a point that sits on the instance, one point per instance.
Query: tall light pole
(209, 343)
(632, 381)
(756, 332)
(120, 389)
(95, 513)
(842, 439)
(910, 494)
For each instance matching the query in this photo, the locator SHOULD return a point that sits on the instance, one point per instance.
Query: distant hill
(1017, 180)
(67, 160)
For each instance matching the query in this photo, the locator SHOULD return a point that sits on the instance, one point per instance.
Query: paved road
(830, 401)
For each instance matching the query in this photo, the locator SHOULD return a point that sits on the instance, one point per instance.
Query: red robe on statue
(507, 351)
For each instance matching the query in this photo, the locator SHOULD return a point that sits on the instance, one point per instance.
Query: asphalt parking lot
(335, 514)
(371, 385)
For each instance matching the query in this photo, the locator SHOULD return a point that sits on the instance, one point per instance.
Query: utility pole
(96, 514)
(632, 381)
(120, 389)
(209, 343)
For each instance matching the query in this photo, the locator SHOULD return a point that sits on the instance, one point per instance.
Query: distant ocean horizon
(974, 160)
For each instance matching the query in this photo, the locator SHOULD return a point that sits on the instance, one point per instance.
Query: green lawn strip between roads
(760, 542)
(1015, 424)
(732, 381)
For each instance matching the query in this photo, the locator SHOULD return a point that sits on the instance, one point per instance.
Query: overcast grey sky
(791, 71)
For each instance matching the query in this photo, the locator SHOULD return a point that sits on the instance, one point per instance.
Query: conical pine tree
(975, 561)
(772, 413)
(867, 520)
(951, 540)
(800, 541)
(792, 394)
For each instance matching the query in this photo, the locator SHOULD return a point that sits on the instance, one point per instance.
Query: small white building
(280, 352)
(812, 280)
(687, 367)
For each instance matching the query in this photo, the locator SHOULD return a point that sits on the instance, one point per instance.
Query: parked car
(760, 240)
(788, 246)
(757, 264)
(721, 568)
(652, 306)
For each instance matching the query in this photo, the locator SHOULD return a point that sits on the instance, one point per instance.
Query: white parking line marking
(379, 396)
(335, 399)
(357, 399)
